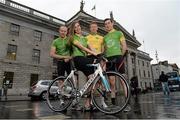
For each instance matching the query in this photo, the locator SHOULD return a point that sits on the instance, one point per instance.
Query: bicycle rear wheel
(59, 94)
(102, 99)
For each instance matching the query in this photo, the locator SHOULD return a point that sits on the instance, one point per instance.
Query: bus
(173, 81)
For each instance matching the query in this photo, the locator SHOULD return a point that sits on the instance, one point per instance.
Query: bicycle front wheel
(59, 94)
(114, 101)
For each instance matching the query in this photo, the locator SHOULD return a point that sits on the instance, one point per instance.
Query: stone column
(137, 70)
(129, 67)
(136, 64)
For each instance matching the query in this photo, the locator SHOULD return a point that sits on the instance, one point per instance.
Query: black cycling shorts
(92, 57)
(114, 64)
(63, 67)
(81, 64)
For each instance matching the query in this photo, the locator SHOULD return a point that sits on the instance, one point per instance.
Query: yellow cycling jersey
(96, 42)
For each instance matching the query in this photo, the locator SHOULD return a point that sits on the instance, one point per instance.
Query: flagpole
(95, 12)
(94, 8)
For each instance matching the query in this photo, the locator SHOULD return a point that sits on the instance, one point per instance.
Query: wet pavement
(147, 106)
(15, 98)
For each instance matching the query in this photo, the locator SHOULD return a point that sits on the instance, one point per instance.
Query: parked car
(39, 90)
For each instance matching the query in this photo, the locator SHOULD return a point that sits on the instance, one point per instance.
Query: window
(140, 73)
(37, 35)
(145, 85)
(141, 84)
(14, 29)
(11, 52)
(34, 79)
(148, 74)
(142, 63)
(132, 59)
(144, 73)
(172, 74)
(147, 64)
(36, 56)
(138, 62)
(8, 79)
(45, 83)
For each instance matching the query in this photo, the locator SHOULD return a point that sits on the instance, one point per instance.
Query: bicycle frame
(97, 72)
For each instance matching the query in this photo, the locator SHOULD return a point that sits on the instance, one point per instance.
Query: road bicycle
(63, 91)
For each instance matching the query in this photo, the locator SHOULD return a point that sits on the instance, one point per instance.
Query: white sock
(103, 103)
(113, 95)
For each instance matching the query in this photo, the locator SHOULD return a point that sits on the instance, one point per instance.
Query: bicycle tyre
(122, 94)
(55, 96)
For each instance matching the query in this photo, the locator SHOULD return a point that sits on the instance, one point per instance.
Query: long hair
(71, 33)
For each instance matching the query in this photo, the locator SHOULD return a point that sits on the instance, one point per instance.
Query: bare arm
(102, 48)
(84, 48)
(124, 46)
(54, 55)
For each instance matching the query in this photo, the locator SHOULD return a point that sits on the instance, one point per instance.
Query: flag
(94, 7)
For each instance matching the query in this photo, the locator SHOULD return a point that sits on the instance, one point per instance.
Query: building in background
(144, 71)
(25, 38)
(174, 67)
(163, 66)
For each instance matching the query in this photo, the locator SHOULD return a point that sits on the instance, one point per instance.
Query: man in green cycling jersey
(115, 48)
(60, 51)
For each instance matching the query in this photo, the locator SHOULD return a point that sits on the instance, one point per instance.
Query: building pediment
(87, 18)
(79, 15)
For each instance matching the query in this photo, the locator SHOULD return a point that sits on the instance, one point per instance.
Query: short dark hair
(62, 26)
(108, 19)
(93, 22)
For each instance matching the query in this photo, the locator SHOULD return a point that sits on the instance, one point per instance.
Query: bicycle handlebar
(101, 56)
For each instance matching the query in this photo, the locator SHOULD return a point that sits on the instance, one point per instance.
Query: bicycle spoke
(103, 99)
(59, 94)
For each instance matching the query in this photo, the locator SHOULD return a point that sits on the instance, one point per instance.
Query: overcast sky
(156, 22)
